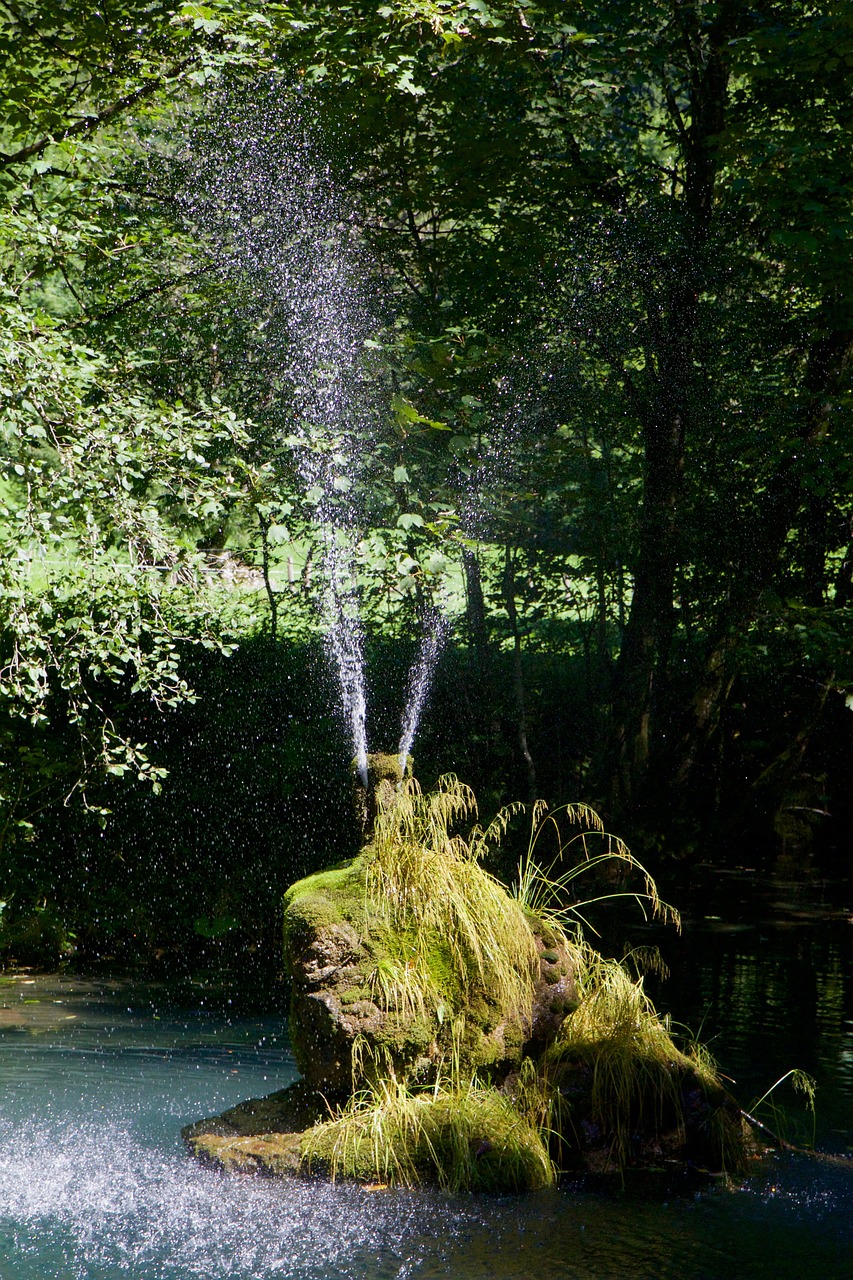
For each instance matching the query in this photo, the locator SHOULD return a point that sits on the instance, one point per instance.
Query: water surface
(97, 1078)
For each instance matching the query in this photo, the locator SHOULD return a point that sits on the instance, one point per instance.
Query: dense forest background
(603, 264)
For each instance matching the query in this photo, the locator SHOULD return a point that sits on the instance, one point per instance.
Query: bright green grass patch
(424, 880)
(465, 1137)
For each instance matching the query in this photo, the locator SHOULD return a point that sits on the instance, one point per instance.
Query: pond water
(97, 1078)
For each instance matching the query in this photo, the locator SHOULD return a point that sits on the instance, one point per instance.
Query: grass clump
(620, 1052)
(445, 950)
(464, 1136)
(548, 890)
(424, 880)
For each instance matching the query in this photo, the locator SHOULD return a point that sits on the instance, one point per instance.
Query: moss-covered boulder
(447, 1033)
(262, 1135)
(361, 986)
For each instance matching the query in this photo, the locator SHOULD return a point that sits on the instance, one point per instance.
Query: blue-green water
(96, 1081)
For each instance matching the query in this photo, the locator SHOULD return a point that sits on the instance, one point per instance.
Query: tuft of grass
(548, 890)
(626, 1055)
(403, 988)
(777, 1123)
(462, 1135)
(424, 879)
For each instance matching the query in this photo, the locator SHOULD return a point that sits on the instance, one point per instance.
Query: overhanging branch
(90, 123)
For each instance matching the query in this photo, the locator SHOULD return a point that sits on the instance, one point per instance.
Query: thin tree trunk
(264, 525)
(476, 603)
(770, 789)
(672, 319)
(518, 674)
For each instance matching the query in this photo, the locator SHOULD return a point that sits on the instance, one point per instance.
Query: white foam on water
(94, 1200)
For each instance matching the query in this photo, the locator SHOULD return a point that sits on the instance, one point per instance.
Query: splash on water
(93, 1201)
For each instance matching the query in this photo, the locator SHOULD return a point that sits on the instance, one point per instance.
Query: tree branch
(146, 293)
(90, 123)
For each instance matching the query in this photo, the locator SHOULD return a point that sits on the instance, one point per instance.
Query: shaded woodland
(606, 253)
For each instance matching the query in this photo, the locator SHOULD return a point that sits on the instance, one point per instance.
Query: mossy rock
(384, 776)
(691, 1124)
(342, 960)
(262, 1135)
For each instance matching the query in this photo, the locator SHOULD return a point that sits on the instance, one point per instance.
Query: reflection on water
(96, 1081)
(763, 972)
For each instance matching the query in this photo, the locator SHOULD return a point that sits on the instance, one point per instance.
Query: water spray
(435, 631)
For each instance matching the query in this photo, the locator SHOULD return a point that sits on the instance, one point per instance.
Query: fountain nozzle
(385, 774)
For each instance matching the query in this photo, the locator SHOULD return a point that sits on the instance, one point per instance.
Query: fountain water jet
(435, 631)
(286, 235)
(345, 641)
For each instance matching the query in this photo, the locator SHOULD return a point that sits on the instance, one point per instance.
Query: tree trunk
(518, 675)
(672, 316)
(476, 603)
(828, 362)
(264, 524)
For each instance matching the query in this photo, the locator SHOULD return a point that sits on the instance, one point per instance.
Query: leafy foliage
(613, 354)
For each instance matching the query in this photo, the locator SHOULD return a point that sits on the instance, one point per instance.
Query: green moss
(355, 994)
(551, 956)
(443, 972)
(341, 884)
(324, 899)
(385, 765)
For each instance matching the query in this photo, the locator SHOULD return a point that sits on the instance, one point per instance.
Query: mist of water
(257, 188)
(344, 639)
(287, 242)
